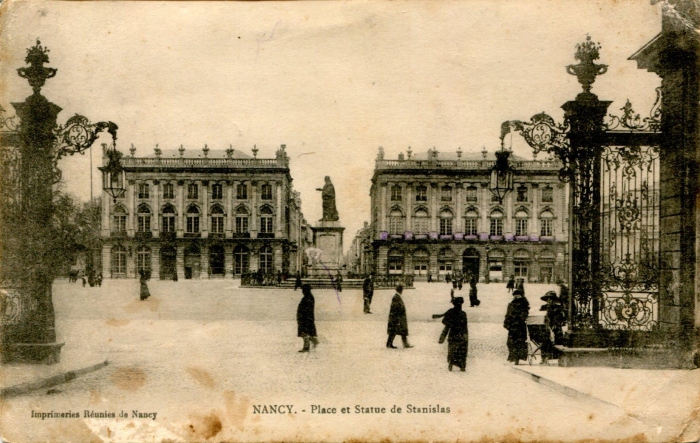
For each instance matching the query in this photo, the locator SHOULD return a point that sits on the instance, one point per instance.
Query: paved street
(202, 354)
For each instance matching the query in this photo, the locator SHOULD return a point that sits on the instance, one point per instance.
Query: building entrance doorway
(216, 261)
(193, 262)
(168, 257)
(470, 262)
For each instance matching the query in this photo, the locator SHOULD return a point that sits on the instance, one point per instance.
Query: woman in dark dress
(145, 293)
(306, 322)
(511, 284)
(473, 300)
(554, 319)
(456, 330)
(515, 323)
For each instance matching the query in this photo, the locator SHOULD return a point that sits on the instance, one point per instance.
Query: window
(266, 191)
(521, 258)
(242, 191)
(144, 219)
(396, 225)
(118, 260)
(421, 194)
(143, 259)
(241, 221)
(496, 223)
(445, 261)
(217, 220)
(143, 190)
(193, 191)
(521, 223)
(266, 259)
(168, 191)
(193, 220)
(266, 220)
(547, 195)
(395, 262)
(241, 257)
(420, 262)
(521, 193)
(168, 219)
(421, 222)
(470, 223)
(119, 224)
(472, 193)
(396, 193)
(217, 192)
(446, 194)
(546, 224)
(446, 223)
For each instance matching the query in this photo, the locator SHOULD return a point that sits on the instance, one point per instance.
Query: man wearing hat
(398, 324)
(455, 321)
(515, 323)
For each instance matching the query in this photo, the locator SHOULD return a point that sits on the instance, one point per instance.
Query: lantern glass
(501, 177)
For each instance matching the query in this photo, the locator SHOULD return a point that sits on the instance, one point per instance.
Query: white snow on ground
(201, 354)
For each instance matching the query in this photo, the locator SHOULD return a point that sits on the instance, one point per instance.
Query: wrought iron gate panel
(629, 271)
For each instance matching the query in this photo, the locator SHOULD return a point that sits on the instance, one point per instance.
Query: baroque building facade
(435, 214)
(203, 214)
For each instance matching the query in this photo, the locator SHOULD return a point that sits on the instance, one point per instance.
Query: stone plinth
(328, 237)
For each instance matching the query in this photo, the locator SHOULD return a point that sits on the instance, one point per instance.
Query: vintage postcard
(349, 221)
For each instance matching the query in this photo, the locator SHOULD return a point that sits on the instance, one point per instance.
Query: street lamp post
(30, 259)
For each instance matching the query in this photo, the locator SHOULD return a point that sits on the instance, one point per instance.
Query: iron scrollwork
(633, 121)
(78, 134)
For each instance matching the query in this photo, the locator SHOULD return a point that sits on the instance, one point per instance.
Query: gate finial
(586, 71)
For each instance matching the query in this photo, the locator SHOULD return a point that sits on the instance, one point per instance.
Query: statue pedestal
(328, 237)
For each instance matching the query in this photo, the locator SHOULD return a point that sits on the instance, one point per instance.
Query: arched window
(241, 220)
(119, 219)
(521, 218)
(143, 217)
(266, 259)
(143, 259)
(118, 260)
(168, 219)
(445, 261)
(471, 219)
(521, 260)
(496, 223)
(266, 221)
(395, 262)
(546, 224)
(396, 225)
(446, 222)
(421, 221)
(421, 260)
(241, 259)
(193, 220)
(217, 220)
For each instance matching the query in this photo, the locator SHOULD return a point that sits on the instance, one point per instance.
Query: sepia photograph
(349, 221)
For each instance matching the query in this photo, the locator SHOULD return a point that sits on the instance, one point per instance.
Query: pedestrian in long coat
(398, 324)
(473, 299)
(367, 293)
(515, 323)
(339, 282)
(554, 319)
(145, 293)
(306, 321)
(457, 332)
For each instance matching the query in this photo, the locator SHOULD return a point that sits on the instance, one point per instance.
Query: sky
(331, 80)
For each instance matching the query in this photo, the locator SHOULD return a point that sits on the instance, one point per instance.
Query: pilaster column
(278, 218)
(459, 208)
(254, 211)
(228, 259)
(228, 207)
(534, 225)
(106, 260)
(484, 199)
(204, 223)
(561, 210)
(155, 262)
(155, 203)
(180, 213)
(131, 205)
(204, 254)
(409, 206)
(277, 257)
(433, 206)
(180, 262)
(106, 226)
(382, 206)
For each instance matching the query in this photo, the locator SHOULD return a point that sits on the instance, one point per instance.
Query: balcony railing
(241, 235)
(244, 163)
(465, 164)
(147, 235)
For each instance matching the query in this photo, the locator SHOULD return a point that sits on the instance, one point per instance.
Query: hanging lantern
(113, 175)
(501, 176)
